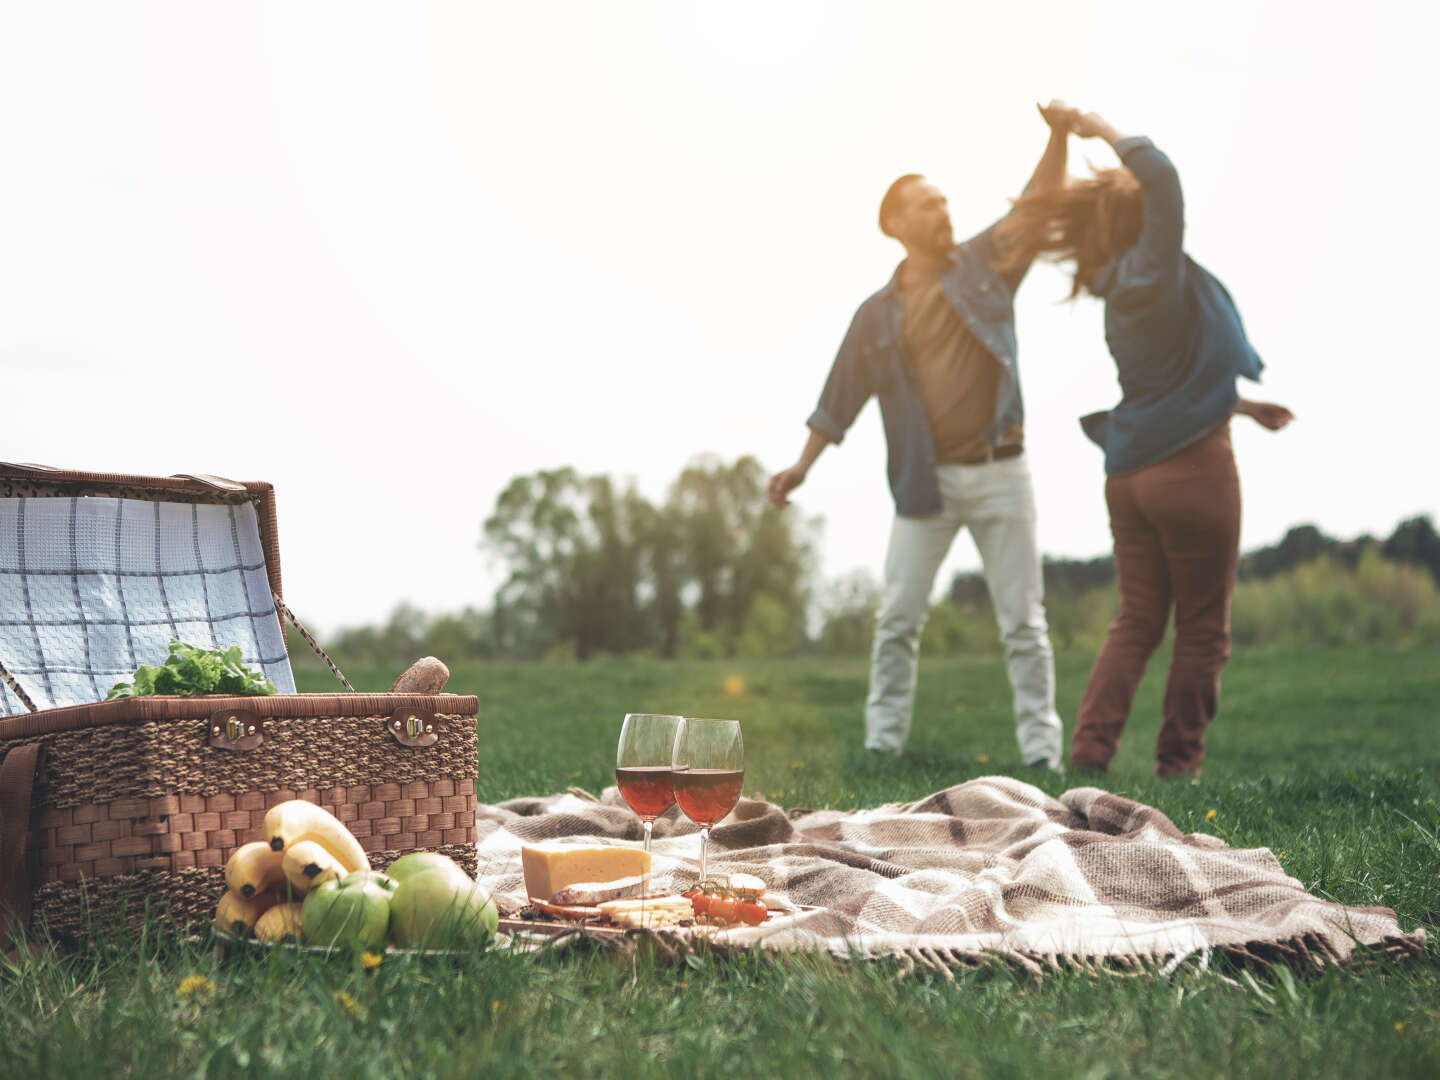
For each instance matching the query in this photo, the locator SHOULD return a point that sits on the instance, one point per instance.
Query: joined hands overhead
(1059, 115)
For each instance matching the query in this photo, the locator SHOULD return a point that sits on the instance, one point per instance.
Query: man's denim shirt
(872, 360)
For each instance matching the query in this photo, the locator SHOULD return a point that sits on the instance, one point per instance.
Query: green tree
(736, 548)
(848, 608)
(662, 543)
(576, 555)
(769, 630)
(1415, 541)
(397, 644)
(467, 636)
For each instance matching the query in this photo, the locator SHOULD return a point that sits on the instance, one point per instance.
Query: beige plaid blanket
(989, 867)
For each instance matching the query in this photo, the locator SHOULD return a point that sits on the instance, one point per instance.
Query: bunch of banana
(280, 922)
(238, 915)
(304, 846)
(297, 820)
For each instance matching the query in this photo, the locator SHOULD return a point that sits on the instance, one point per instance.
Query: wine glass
(642, 766)
(708, 771)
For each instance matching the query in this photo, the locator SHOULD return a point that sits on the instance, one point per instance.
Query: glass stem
(645, 877)
(704, 839)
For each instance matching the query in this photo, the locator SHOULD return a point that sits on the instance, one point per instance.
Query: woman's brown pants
(1176, 526)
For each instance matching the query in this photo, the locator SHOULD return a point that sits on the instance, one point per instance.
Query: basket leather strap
(15, 687)
(17, 777)
(219, 483)
(309, 640)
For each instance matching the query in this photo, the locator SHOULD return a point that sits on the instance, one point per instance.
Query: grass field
(1331, 759)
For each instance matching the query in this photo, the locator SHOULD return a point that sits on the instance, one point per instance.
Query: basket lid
(99, 571)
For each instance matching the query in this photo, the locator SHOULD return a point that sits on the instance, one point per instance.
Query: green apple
(385, 881)
(441, 909)
(418, 861)
(337, 914)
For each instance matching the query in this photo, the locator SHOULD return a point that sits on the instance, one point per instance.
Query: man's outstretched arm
(846, 391)
(787, 480)
(1049, 174)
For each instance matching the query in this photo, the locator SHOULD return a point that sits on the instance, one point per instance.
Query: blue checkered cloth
(91, 588)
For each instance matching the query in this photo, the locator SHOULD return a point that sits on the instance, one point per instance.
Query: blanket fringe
(1310, 952)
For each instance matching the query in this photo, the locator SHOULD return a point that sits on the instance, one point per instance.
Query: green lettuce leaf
(192, 670)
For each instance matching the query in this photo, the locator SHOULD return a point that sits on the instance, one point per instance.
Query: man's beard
(940, 241)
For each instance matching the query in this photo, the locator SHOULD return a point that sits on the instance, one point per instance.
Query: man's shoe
(1047, 764)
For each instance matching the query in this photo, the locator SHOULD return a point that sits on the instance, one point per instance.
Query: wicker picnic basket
(112, 809)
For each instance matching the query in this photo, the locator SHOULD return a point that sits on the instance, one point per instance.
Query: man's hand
(1266, 413)
(782, 483)
(1058, 115)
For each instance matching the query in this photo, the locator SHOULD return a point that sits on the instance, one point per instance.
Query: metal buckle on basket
(235, 729)
(412, 727)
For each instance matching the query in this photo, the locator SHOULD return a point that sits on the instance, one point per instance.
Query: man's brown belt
(997, 453)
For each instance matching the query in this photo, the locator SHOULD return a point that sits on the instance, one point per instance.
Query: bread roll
(426, 676)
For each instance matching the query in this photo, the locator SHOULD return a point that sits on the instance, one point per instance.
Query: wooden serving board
(517, 933)
(546, 927)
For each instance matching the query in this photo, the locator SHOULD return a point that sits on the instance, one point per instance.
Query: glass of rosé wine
(642, 765)
(707, 770)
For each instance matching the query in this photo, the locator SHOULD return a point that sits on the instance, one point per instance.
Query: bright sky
(389, 256)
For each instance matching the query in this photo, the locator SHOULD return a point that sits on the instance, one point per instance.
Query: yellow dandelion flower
(733, 686)
(1211, 814)
(494, 1006)
(350, 1006)
(370, 960)
(982, 758)
(1399, 1025)
(196, 986)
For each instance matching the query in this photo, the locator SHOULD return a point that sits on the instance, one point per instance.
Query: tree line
(592, 567)
(1414, 542)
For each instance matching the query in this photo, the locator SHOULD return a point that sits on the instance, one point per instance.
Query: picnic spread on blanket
(349, 820)
(990, 866)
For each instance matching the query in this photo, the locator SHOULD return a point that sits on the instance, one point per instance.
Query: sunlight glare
(756, 52)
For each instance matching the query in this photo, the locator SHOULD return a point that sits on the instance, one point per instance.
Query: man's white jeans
(997, 502)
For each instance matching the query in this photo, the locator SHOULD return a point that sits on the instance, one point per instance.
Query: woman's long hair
(1090, 221)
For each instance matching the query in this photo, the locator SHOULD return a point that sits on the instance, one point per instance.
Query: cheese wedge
(555, 865)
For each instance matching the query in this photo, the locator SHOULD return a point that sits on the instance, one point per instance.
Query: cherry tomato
(751, 912)
(698, 900)
(723, 907)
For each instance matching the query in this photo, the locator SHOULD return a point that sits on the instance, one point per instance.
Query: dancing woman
(1171, 484)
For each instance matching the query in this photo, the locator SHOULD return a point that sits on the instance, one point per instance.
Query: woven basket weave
(134, 809)
(138, 803)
